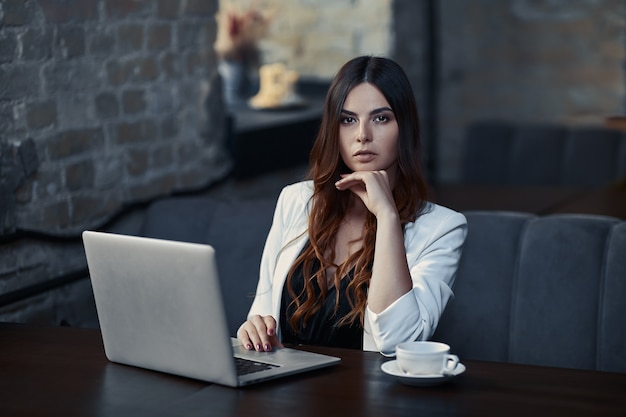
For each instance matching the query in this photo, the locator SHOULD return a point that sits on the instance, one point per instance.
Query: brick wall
(103, 104)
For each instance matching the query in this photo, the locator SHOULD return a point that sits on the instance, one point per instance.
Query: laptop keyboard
(246, 366)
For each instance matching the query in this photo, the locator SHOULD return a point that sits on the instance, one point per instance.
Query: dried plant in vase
(239, 30)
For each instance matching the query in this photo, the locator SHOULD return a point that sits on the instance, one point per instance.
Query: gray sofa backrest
(501, 153)
(546, 290)
(540, 290)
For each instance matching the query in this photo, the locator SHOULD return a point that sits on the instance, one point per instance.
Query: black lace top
(322, 328)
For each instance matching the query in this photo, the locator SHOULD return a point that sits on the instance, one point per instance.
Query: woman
(356, 257)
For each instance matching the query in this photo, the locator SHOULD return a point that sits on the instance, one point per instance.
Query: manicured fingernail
(270, 332)
(268, 347)
(248, 346)
(258, 347)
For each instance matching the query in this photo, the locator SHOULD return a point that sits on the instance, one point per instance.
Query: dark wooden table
(63, 372)
(608, 201)
(529, 199)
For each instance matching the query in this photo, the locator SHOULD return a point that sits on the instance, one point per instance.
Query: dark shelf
(263, 141)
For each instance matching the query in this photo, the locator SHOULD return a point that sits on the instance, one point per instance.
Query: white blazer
(433, 247)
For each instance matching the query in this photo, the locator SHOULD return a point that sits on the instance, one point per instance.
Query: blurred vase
(235, 81)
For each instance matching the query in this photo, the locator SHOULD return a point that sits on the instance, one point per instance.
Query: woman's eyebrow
(381, 110)
(373, 112)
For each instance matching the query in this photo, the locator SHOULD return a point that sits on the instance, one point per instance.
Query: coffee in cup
(425, 358)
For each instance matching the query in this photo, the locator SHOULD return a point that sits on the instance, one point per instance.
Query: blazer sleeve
(285, 238)
(262, 303)
(433, 246)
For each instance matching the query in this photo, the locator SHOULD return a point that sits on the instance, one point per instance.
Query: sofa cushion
(486, 155)
(535, 157)
(540, 290)
(611, 334)
(593, 156)
(504, 153)
(476, 321)
(558, 291)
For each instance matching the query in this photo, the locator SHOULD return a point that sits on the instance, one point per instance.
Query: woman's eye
(347, 120)
(380, 119)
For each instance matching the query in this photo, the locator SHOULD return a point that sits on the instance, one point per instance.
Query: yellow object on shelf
(277, 88)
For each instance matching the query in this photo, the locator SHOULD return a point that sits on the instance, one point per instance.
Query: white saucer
(391, 368)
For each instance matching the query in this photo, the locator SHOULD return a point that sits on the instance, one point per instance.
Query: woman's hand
(390, 278)
(259, 333)
(372, 187)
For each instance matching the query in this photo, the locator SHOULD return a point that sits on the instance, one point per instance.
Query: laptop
(160, 307)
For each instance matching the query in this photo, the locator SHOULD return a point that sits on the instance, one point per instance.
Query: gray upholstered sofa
(504, 153)
(545, 290)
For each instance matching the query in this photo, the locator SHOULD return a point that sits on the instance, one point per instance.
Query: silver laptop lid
(159, 305)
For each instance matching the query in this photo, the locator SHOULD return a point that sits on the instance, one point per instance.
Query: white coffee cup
(425, 358)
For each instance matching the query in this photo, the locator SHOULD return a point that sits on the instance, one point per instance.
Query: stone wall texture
(113, 94)
(104, 104)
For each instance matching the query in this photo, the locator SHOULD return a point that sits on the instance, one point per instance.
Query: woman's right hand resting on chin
(259, 333)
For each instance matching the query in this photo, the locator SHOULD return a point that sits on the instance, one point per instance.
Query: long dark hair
(329, 206)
